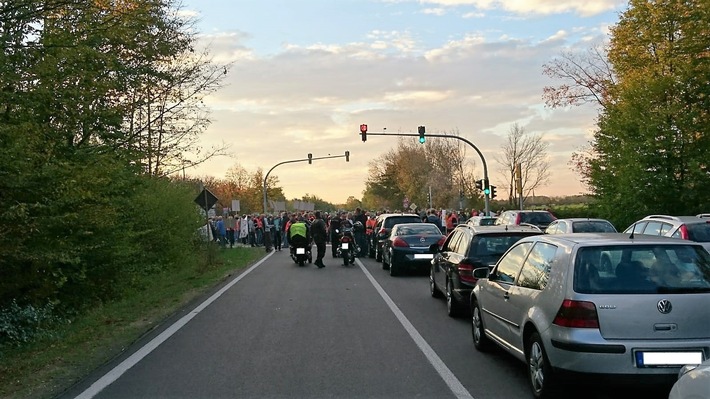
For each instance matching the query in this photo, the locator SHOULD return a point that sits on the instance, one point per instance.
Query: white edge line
(110, 377)
(449, 378)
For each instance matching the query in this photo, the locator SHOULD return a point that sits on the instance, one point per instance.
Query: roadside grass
(45, 368)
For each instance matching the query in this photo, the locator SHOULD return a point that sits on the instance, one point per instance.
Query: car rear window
(699, 232)
(593, 226)
(391, 221)
(536, 218)
(642, 269)
(493, 244)
(421, 228)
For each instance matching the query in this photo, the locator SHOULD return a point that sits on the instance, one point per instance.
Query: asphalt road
(282, 331)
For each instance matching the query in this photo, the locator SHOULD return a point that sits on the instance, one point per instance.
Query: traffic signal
(422, 130)
(363, 132)
(479, 185)
(493, 191)
(486, 187)
(347, 156)
(310, 158)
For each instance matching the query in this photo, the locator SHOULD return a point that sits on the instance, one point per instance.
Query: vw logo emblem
(664, 306)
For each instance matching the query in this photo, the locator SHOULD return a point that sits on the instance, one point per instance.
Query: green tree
(650, 150)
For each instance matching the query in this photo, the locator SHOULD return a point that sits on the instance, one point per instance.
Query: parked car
(547, 303)
(693, 382)
(580, 225)
(409, 247)
(482, 220)
(693, 228)
(465, 249)
(383, 226)
(541, 219)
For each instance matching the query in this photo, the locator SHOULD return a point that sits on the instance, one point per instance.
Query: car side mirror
(481, 272)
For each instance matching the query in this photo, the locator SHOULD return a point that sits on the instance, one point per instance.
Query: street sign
(206, 199)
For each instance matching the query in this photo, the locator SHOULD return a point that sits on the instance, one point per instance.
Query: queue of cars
(571, 297)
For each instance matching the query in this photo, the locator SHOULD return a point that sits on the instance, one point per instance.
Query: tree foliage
(650, 150)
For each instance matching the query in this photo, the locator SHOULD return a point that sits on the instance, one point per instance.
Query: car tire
(540, 376)
(394, 269)
(478, 331)
(385, 262)
(433, 289)
(453, 307)
(378, 253)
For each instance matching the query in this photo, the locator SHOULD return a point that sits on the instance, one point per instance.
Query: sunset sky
(307, 73)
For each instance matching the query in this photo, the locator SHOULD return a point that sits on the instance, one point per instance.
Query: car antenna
(631, 237)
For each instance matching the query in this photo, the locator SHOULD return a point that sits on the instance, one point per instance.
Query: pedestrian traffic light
(493, 191)
(363, 132)
(479, 185)
(347, 156)
(310, 158)
(422, 130)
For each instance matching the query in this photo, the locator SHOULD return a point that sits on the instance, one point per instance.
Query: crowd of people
(272, 231)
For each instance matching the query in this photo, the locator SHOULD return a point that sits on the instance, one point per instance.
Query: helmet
(357, 226)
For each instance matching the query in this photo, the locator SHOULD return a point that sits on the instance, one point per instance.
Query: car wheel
(378, 253)
(385, 260)
(540, 374)
(394, 270)
(433, 289)
(480, 340)
(453, 307)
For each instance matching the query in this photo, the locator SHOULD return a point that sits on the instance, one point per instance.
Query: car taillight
(518, 219)
(577, 314)
(441, 242)
(684, 232)
(465, 269)
(398, 242)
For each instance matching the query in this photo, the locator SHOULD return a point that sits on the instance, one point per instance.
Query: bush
(22, 324)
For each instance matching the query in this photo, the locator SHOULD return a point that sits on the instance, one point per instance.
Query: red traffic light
(363, 128)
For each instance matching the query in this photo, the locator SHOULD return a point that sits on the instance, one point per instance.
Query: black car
(409, 247)
(384, 225)
(465, 249)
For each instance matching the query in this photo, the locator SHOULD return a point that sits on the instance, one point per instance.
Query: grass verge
(45, 368)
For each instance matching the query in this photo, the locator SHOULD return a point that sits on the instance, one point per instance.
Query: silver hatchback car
(549, 302)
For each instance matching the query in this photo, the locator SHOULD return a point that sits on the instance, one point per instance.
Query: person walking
(221, 231)
(320, 236)
(268, 227)
(230, 225)
(244, 229)
(276, 232)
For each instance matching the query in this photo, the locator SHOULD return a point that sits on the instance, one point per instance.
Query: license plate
(671, 359)
(423, 256)
(300, 251)
(344, 245)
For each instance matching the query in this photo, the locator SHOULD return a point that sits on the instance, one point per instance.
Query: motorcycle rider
(298, 235)
(320, 236)
(333, 230)
(359, 232)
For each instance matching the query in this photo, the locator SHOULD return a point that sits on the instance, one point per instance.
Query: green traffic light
(487, 191)
(422, 139)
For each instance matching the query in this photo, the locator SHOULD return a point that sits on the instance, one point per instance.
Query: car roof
(582, 220)
(413, 225)
(683, 219)
(386, 215)
(610, 239)
(503, 228)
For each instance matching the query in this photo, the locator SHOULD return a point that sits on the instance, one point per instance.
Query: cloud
(540, 7)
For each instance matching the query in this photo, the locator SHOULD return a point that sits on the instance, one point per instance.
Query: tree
(654, 134)
(530, 151)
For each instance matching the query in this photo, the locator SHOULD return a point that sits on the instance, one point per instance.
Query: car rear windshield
(699, 232)
(484, 245)
(420, 228)
(391, 221)
(636, 269)
(593, 226)
(536, 217)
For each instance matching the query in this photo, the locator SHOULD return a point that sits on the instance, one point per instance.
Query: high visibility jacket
(298, 229)
(370, 225)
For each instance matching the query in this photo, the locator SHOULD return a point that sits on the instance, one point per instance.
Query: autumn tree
(654, 133)
(530, 152)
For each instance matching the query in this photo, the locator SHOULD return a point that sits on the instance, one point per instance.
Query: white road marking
(449, 378)
(110, 377)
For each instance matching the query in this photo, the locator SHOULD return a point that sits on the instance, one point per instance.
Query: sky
(305, 74)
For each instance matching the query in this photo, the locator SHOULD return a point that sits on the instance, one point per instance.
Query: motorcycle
(301, 252)
(347, 247)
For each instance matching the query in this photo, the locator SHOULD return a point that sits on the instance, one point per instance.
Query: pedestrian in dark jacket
(320, 236)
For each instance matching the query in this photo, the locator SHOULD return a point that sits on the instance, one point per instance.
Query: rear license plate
(300, 251)
(344, 245)
(667, 359)
(423, 256)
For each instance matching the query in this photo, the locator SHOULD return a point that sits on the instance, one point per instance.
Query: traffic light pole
(309, 160)
(483, 160)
